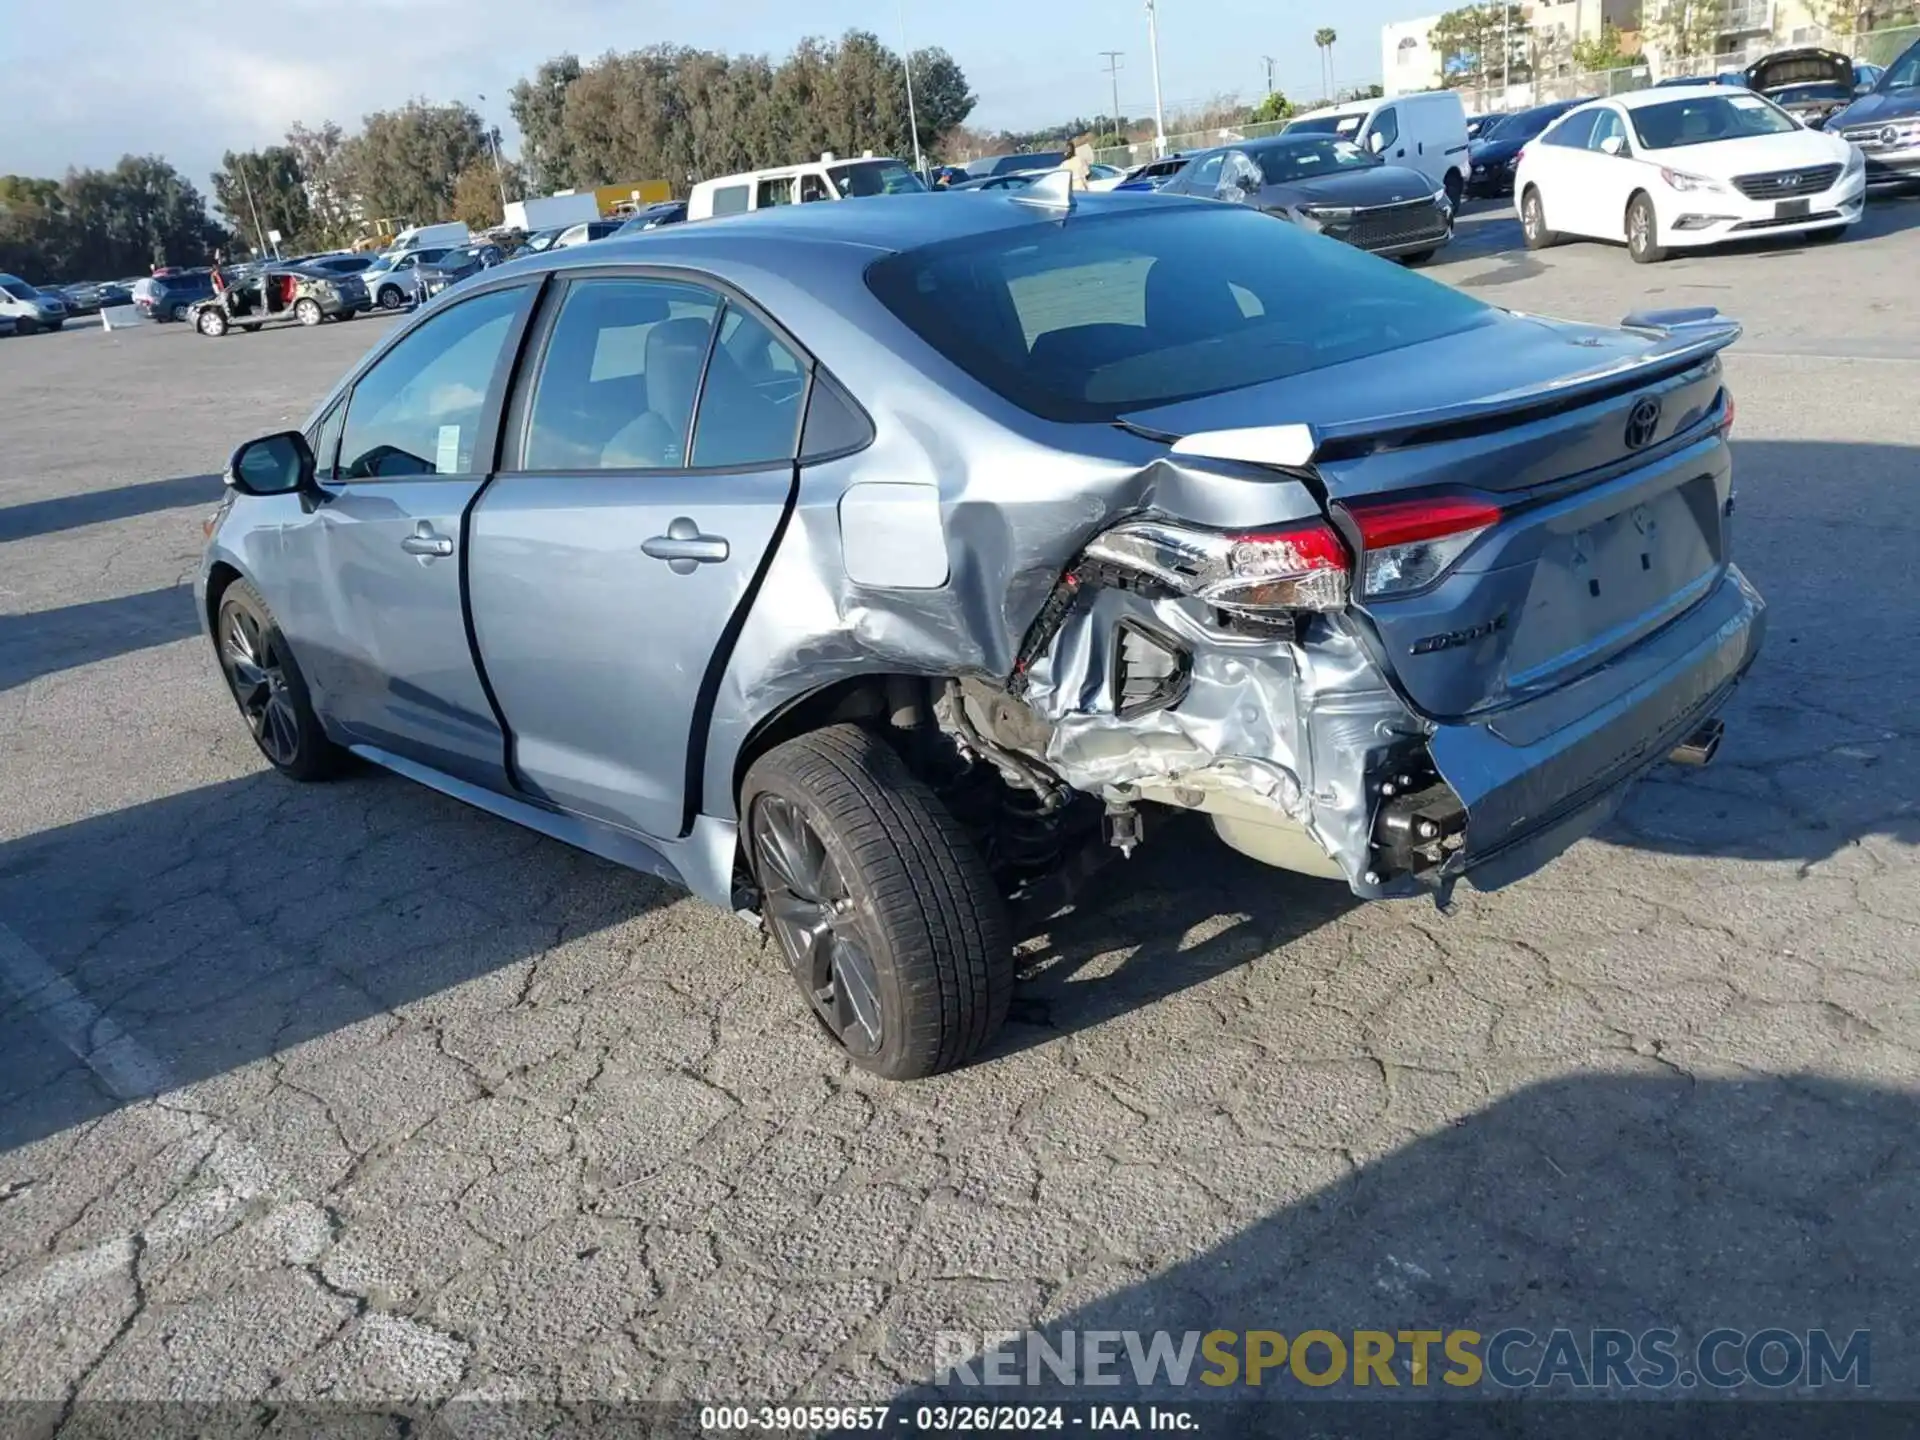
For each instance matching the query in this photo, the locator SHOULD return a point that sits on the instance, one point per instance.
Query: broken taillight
(1298, 567)
(1406, 545)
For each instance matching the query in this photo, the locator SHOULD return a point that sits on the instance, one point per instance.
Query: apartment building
(1407, 61)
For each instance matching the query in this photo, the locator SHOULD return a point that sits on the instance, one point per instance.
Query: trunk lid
(1604, 450)
(1801, 67)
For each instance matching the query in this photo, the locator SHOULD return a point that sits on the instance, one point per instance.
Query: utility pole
(1113, 73)
(259, 235)
(1159, 112)
(1506, 51)
(1267, 60)
(913, 122)
(499, 170)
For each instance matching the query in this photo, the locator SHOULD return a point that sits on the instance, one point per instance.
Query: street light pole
(1159, 113)
(1267, 60)
(499, 170)
(913, 123)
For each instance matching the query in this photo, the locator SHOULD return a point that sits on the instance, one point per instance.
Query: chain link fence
(1878, 47)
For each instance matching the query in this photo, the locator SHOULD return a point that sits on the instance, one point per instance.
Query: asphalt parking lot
(352, 1093)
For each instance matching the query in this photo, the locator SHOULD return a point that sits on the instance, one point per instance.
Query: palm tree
(1324, 38)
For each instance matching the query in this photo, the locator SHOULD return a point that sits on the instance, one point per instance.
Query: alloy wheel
(1638, 227)
(255, 671)
(812, 913)
(1533, 217)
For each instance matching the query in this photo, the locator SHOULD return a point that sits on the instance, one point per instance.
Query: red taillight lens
(1726, 421)
(1406, 545)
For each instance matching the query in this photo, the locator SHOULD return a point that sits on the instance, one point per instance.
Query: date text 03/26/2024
(939, 1419)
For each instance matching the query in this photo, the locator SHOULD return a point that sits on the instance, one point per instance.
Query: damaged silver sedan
(874, 569)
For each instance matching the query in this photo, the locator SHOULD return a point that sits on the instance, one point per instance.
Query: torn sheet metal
(1299, 724)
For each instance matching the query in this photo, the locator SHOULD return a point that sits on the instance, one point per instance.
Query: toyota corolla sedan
(874, 570)
(1671, 169)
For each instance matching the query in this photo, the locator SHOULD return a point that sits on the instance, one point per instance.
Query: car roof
(885, 224)
(1635, 99)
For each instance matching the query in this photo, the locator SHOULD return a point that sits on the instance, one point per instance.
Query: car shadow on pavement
(95, 507)
(1636, 1200)
(215, 928)
(43, 642)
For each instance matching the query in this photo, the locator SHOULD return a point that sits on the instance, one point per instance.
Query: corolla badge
(1643, 422)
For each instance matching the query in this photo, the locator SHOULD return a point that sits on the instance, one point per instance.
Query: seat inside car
(675, 352)
(593, 381)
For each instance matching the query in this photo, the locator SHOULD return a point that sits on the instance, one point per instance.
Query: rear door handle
(683, 547)
(425, 543)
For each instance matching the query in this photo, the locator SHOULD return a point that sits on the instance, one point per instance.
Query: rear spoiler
(1682, 339)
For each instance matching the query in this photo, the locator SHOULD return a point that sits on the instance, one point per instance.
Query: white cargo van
(1424, 131)
(827, 178)
(420, 237)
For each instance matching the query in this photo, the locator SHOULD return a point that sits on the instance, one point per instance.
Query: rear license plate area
(1611, 575)
(1792, 209)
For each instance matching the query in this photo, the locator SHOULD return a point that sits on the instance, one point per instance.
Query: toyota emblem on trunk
(1642, 421)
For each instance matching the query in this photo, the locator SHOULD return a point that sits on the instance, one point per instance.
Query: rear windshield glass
(1093, 319)
(1036, 160)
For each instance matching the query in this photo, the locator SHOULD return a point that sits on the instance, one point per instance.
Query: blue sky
(112, 76)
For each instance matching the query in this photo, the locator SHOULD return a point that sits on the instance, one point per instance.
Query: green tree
(1604, 53)
(404, 163)
(1684, 31)
(539, 107)
(101, 224)
(1470, 41)
(1323, 39)
(322, 157)
(260, 191)
(1274, 107)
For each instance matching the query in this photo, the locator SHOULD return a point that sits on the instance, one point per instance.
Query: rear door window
(730, 200)
(621, 371)
(1573, 132)
(751, 398)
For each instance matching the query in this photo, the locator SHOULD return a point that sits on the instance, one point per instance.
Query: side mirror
(1865, 87)
(1375, 143)
(1612, 145)
(272, 465)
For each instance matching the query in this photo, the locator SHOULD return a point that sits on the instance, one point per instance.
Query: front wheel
(307, 311)
(1533, 221)
(883, 909)
(391, 298)
(211, 322)
(269, 689)
(1643, 232)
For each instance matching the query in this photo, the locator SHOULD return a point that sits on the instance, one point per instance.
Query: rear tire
(1455, 187)
(307, 310)
(391, 298)
(268, 687)
(1643, 232)
(1533, 221)
(881, 906)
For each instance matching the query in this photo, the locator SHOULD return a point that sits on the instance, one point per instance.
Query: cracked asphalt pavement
(349, 1092)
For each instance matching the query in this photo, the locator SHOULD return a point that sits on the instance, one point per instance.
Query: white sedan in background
(1669, 168)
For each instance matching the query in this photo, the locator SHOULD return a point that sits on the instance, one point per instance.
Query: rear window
(1326, 125)
(1037, 160)
(1090, 320)
(730, 200)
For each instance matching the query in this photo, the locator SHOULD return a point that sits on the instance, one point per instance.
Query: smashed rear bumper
(1303, 752)
(1536, 777)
